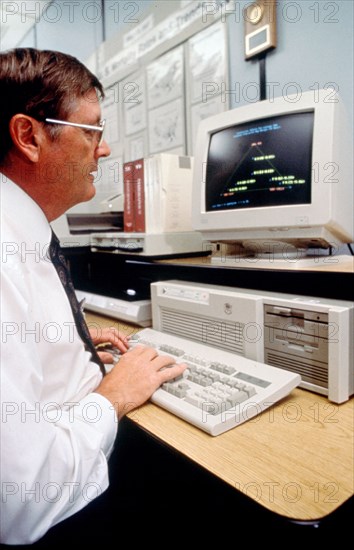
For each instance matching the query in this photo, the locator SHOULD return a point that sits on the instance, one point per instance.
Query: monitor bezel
(320, 222)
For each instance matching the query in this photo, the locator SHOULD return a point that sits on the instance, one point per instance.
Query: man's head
(53, 162)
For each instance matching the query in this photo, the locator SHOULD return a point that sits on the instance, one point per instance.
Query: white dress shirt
(56, 434)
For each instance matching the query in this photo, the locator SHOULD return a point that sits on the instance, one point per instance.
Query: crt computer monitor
(276, 175)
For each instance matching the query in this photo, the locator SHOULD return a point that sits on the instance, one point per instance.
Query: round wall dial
(255, 13)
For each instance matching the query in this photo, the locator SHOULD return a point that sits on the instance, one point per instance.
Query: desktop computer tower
(307, 335)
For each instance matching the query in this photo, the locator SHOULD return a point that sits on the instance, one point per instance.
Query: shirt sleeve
(53, 453)
(53, 462)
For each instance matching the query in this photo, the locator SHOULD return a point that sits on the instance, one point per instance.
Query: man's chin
(91, 192)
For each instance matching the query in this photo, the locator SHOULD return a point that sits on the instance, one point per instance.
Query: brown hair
(42, 84)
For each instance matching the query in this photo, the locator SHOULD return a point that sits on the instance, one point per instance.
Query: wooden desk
(334, 264)
(327, 278)
(296, 459)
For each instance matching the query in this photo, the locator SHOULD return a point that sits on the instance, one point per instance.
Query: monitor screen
(261, 163)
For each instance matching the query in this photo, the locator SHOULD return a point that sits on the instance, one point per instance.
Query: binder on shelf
(158, 194)
(139, 196)
(152, 196)
(176, 177)
(128, 187)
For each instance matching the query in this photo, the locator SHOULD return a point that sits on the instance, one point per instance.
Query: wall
(315, 47)
(315, 40)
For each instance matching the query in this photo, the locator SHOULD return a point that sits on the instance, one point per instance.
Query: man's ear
(26, 135)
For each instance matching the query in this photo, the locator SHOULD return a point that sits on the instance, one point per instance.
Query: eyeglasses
(98, 128)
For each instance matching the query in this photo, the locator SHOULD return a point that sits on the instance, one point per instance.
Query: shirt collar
(23, 215)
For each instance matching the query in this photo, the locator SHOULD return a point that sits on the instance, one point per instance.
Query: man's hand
(136, 376)
(109, 336)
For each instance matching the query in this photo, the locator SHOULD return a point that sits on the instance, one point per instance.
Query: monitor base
(341, 262)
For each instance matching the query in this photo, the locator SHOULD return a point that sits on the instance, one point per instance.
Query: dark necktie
(61, 266)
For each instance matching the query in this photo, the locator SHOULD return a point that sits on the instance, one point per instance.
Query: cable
(262, 77)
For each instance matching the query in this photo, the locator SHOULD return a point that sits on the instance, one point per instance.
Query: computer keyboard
(219, 390)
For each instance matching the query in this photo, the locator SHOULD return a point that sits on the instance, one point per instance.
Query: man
(60, 414)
